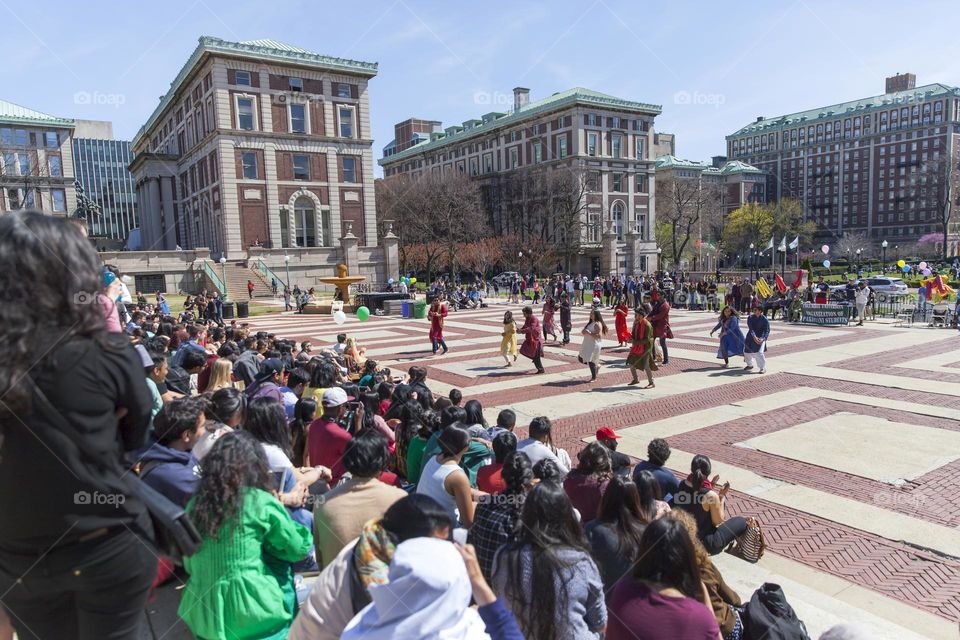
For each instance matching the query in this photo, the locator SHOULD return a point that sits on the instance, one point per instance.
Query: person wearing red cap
(621, 462)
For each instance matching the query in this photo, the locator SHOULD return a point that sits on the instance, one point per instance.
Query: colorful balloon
(363, 314)
(900, 263)
(389, 280)
(411, 281)
(825, 248)
(922, 265)
(339, 317)
(927, 272)
(826, 263)
(906, 268)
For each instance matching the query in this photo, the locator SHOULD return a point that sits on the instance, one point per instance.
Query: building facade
(606, 140)
(258, 144)
(855, 165)
(101, 167)
(36, 171)
(737, 183)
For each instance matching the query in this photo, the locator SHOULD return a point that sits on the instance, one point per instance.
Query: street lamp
(223, 274)
(659, 253)
(858, 262)
(883, 266)
(286, 263)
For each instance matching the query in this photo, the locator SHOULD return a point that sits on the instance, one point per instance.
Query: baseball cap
(606, 433)
(335, 396)
(271, 366)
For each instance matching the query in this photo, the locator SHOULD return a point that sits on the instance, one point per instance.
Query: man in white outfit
(861, 297)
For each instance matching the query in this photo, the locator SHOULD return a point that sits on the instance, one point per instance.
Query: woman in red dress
(533, 343)
(438, 311)
(620, 323)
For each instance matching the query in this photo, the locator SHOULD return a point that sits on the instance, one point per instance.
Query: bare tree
(934, 185)
(683, 205)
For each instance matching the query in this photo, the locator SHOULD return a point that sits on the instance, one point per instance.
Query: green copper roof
(264, 49)
(11, 113)
(730, 167)
(577, 95)
(854, 107)
(673, 162)
(736, 166)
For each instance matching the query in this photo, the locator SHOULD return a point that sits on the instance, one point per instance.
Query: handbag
(751, 544)
(175, 536)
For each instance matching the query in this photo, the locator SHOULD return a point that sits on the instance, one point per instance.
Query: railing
(266, 273)
(211, 273)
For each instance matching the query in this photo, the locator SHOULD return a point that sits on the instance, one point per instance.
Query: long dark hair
(648, 490)
(594, 460)
(235, 463)
(267, 422)
(303, 414)
(596, 316)
(700, 468)
(50, 277)
(547, 526)
(667, 558)
(475, 413)
(620, 506)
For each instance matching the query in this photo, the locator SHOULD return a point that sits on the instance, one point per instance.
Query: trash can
(406, 308)
(227, 310)
(420, 309)
(243, 309)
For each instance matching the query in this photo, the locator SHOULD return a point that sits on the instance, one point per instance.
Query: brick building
(37, 164)
(258, 143)
(737, 182)
(855, 165)
(606, 140)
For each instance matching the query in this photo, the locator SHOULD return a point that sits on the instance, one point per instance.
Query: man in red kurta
(437, 313)
(532, 346)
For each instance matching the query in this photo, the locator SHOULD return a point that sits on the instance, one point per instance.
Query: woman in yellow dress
(508, 345)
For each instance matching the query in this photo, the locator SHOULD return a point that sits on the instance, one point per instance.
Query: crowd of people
(420, 518)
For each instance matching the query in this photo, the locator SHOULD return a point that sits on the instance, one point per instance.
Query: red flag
(781, 285)
(799, 281)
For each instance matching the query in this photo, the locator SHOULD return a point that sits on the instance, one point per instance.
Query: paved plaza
(846, 450)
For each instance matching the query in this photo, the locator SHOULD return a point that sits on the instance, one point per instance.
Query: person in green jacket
(241, 582)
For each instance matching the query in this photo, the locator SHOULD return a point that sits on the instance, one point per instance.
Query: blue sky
(451, 60)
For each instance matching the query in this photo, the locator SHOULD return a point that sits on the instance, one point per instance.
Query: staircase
(237, 276)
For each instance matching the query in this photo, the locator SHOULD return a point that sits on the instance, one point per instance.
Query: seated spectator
(327, 438)
(303, 415)
(506, 421)
(455, 396)
(347, 507)
(372, 420)
(418, 385)
(291, 391)
(182, 380)
(156, 374)
(224, 414)
(496, 516)
(367, 374)
(585, 484)
(412, 432)
(620, 462)
(241, 581)
(539, 445)
(221, 375)
(323, 377)
(443, 480)
(340, 591)
(385, 393)
(196, 334)
(490, 477)
(476, 423)
(168, 466)
(339, 347)
(247, 366)
(478, 453)
(658, 452)
(268, 381)
(699, 496)
(546, 576)
(614, 535)
(664, 599)
(724, 601)
(651, 504)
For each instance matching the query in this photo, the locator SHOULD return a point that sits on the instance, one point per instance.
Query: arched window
(617, 212)
(305, 222)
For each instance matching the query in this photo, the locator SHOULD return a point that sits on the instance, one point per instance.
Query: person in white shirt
(540, 445)
(861, 297)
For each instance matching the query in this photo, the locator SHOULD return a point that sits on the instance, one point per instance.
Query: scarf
(373, 553)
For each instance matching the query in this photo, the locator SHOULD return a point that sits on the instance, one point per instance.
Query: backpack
(768, 616)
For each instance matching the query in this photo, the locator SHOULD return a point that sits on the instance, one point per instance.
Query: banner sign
(825, 314)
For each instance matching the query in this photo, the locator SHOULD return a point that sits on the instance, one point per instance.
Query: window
(14, 196)
(349, 169)
(618, 182)
(250, 165)
(537, 152)
(514, 158)
(6, 136)
(305, 222)
(245, 114)
(591, 144)
(343, 90)
(24, 164)
(243, 78)
(562, 146)
(617, 145)
(641, 147)
(10, 164)
(593, 227)
(298, 118)
(301, 167)
(346, 122)
(53, 163)
(618, 219)
(642, 226)
(296, 84)
(28, 199)
(59, 198)
(51, 139)
(22, 138)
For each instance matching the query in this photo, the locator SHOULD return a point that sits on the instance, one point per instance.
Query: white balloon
(339, 317)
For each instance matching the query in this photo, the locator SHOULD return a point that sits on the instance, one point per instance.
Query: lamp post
(883, 265)
(858, 262)
(223, 274)
(286, 263)
(659, 253)
(752, 256)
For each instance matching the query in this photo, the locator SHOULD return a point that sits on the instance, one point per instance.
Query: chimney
(521, 98)
(759, 119)
(901, 82)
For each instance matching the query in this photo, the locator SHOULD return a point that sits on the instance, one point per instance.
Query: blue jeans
(437, 344)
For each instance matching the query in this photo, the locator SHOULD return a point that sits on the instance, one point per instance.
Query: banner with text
(826, 314)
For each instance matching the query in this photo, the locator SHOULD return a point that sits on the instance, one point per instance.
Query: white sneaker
(762, 371)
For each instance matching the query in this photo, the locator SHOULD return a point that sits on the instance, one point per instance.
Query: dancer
(660, 319)
(438, 311)
(731, 337)
(549, 326)
(590, 347)
(508, 344)
(566, 324)
(532, 346)
(641, 353)
(755, 346)
(620, 323)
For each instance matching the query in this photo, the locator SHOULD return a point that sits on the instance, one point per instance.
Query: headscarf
(427, 598)
(372, 554)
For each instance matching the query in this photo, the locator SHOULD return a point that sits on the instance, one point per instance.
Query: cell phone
(278, 480)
